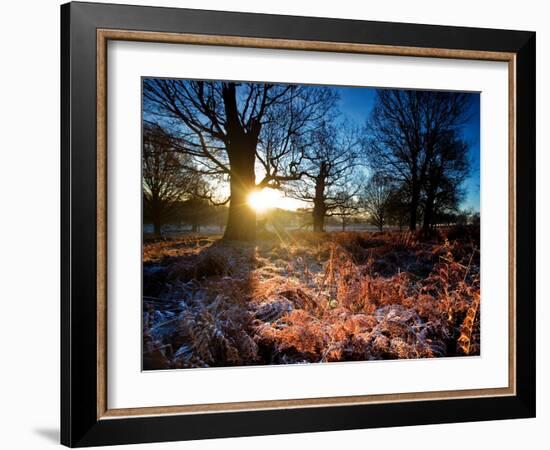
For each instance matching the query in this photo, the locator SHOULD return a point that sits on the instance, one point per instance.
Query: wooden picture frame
(86, 418)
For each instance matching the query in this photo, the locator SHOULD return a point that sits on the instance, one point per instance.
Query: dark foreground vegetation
(310, 297)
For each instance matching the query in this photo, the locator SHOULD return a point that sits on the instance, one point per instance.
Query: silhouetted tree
(407, 130)
(165, 180)
(375, 199)
(222, 126)
(345, 208)
(446, 172)
(201, 203)
(327, 168)
(397, 208)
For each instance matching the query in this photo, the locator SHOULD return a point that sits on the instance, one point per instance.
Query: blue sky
(356, 104)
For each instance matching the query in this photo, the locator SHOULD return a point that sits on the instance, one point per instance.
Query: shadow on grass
(196, 302)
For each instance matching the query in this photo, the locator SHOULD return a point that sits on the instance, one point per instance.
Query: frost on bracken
(310, 298)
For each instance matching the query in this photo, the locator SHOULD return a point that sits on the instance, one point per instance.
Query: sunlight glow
(266, 199)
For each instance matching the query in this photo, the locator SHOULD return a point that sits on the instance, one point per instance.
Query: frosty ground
(306, 297)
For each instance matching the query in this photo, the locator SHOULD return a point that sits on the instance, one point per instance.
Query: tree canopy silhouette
(227, 128)
(328, 169)
(375, 199)
(165, 181)
(413, 140)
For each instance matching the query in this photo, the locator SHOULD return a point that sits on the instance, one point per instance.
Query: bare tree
(406, 131)
(199, 202)
(397, 208)
(375, 199)
(445, 173)
(328, 165)
(227, 128)
(346, 207)
(164, 179)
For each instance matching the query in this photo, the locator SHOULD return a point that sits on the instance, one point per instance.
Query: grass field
(310, 298)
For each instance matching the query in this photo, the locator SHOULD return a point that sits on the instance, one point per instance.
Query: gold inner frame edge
(103, 36)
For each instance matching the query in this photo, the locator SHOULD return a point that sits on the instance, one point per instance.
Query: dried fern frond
(311, 298)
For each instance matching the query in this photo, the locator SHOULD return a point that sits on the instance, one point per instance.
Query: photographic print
(290, 223)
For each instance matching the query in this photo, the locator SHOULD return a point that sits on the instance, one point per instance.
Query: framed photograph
(276, 224)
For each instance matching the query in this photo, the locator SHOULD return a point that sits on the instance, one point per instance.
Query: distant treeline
(196, 215)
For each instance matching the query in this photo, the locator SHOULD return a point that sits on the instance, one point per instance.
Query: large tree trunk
(319, 207)
(241, 220)
(428, 220)
(413, 210)
(156, 214)
(318, 217)
(428, 217)
(157, 226)
(412, 219)
(381, 222)
(241, 150)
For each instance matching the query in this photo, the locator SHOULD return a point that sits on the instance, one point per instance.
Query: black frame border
(79, 424)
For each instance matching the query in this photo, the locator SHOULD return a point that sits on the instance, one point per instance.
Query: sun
(265, 199)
